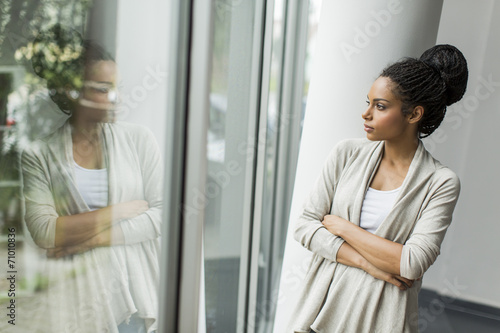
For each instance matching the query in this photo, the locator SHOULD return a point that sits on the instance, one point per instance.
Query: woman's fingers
(50, 253)
(402, 283)
(406, 281)
(57, 252)
(60, 252)
(398, 283)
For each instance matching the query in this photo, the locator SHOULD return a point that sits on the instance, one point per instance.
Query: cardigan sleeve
(309, 231)
(147, 226)
(40, 215)
(422, 248)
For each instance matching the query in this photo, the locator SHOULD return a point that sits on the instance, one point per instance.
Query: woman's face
(98, 96)
(383, 117)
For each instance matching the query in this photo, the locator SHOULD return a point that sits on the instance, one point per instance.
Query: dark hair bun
(452, 67)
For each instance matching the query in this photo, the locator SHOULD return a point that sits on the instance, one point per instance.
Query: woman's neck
(85, 130)
(400, 152)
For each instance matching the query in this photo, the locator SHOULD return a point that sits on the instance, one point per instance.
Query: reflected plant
(21, 22)
(56, 56)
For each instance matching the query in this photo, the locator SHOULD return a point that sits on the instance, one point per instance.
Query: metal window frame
(177, 88)
(185, 156)
(290, 103)
(260, 170)
(196, 165)
(251, 181)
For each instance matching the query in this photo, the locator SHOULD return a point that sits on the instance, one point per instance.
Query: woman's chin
(371, 137)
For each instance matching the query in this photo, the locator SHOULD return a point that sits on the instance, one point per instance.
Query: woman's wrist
(346, 255)
(104, 217)
(364, 264)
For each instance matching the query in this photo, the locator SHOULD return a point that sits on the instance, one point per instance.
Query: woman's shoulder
(441, 175)
(42, 145)
(446, 176)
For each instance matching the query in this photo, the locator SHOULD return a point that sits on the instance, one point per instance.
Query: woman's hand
(335, 224)
(399, 281)
(129, 209)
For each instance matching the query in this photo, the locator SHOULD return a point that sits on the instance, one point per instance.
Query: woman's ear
(416, 115)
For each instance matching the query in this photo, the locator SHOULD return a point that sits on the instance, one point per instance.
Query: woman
(380, 208)
(93, 195)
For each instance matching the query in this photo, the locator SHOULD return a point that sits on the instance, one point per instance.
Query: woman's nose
(366, 114)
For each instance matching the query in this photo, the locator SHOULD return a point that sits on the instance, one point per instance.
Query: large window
(205, 102)
(61, 63)
(234, 109)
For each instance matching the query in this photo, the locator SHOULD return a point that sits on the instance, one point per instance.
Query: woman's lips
(368, 129)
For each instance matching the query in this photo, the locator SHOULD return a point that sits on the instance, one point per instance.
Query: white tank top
(92, 185)
(376, 205)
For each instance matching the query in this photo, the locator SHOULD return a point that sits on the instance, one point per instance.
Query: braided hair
(434, 81)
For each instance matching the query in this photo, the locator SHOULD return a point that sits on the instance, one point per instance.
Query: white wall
(468, 142)
(353, 47)
(142, 57)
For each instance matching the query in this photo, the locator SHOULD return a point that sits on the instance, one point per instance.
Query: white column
(356, 40)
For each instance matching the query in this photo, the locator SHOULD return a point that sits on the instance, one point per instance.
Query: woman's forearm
(382, 253)
(107, 237)
(74, 229)
(77, 228)
(348, 256)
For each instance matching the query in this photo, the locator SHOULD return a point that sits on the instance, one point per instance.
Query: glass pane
(280, 165)
(266, 299)
(230, 149)
(82, 118)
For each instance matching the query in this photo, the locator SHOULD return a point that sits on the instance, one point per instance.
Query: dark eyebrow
(378, 99)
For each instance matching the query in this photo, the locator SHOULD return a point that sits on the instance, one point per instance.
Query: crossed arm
(377, 256)
(339, 240)
(123, 223)
(81, 232)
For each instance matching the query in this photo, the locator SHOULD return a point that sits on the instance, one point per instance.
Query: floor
(439, 314)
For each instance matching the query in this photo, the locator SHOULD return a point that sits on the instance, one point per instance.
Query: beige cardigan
(98, 289)
(339, 298)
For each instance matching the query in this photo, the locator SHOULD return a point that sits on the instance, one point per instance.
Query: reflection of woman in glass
(93, 197)
(380, 209)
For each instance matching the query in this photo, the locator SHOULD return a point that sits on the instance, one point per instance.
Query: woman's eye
(367, 102)
(380, 106)
(101, 90)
